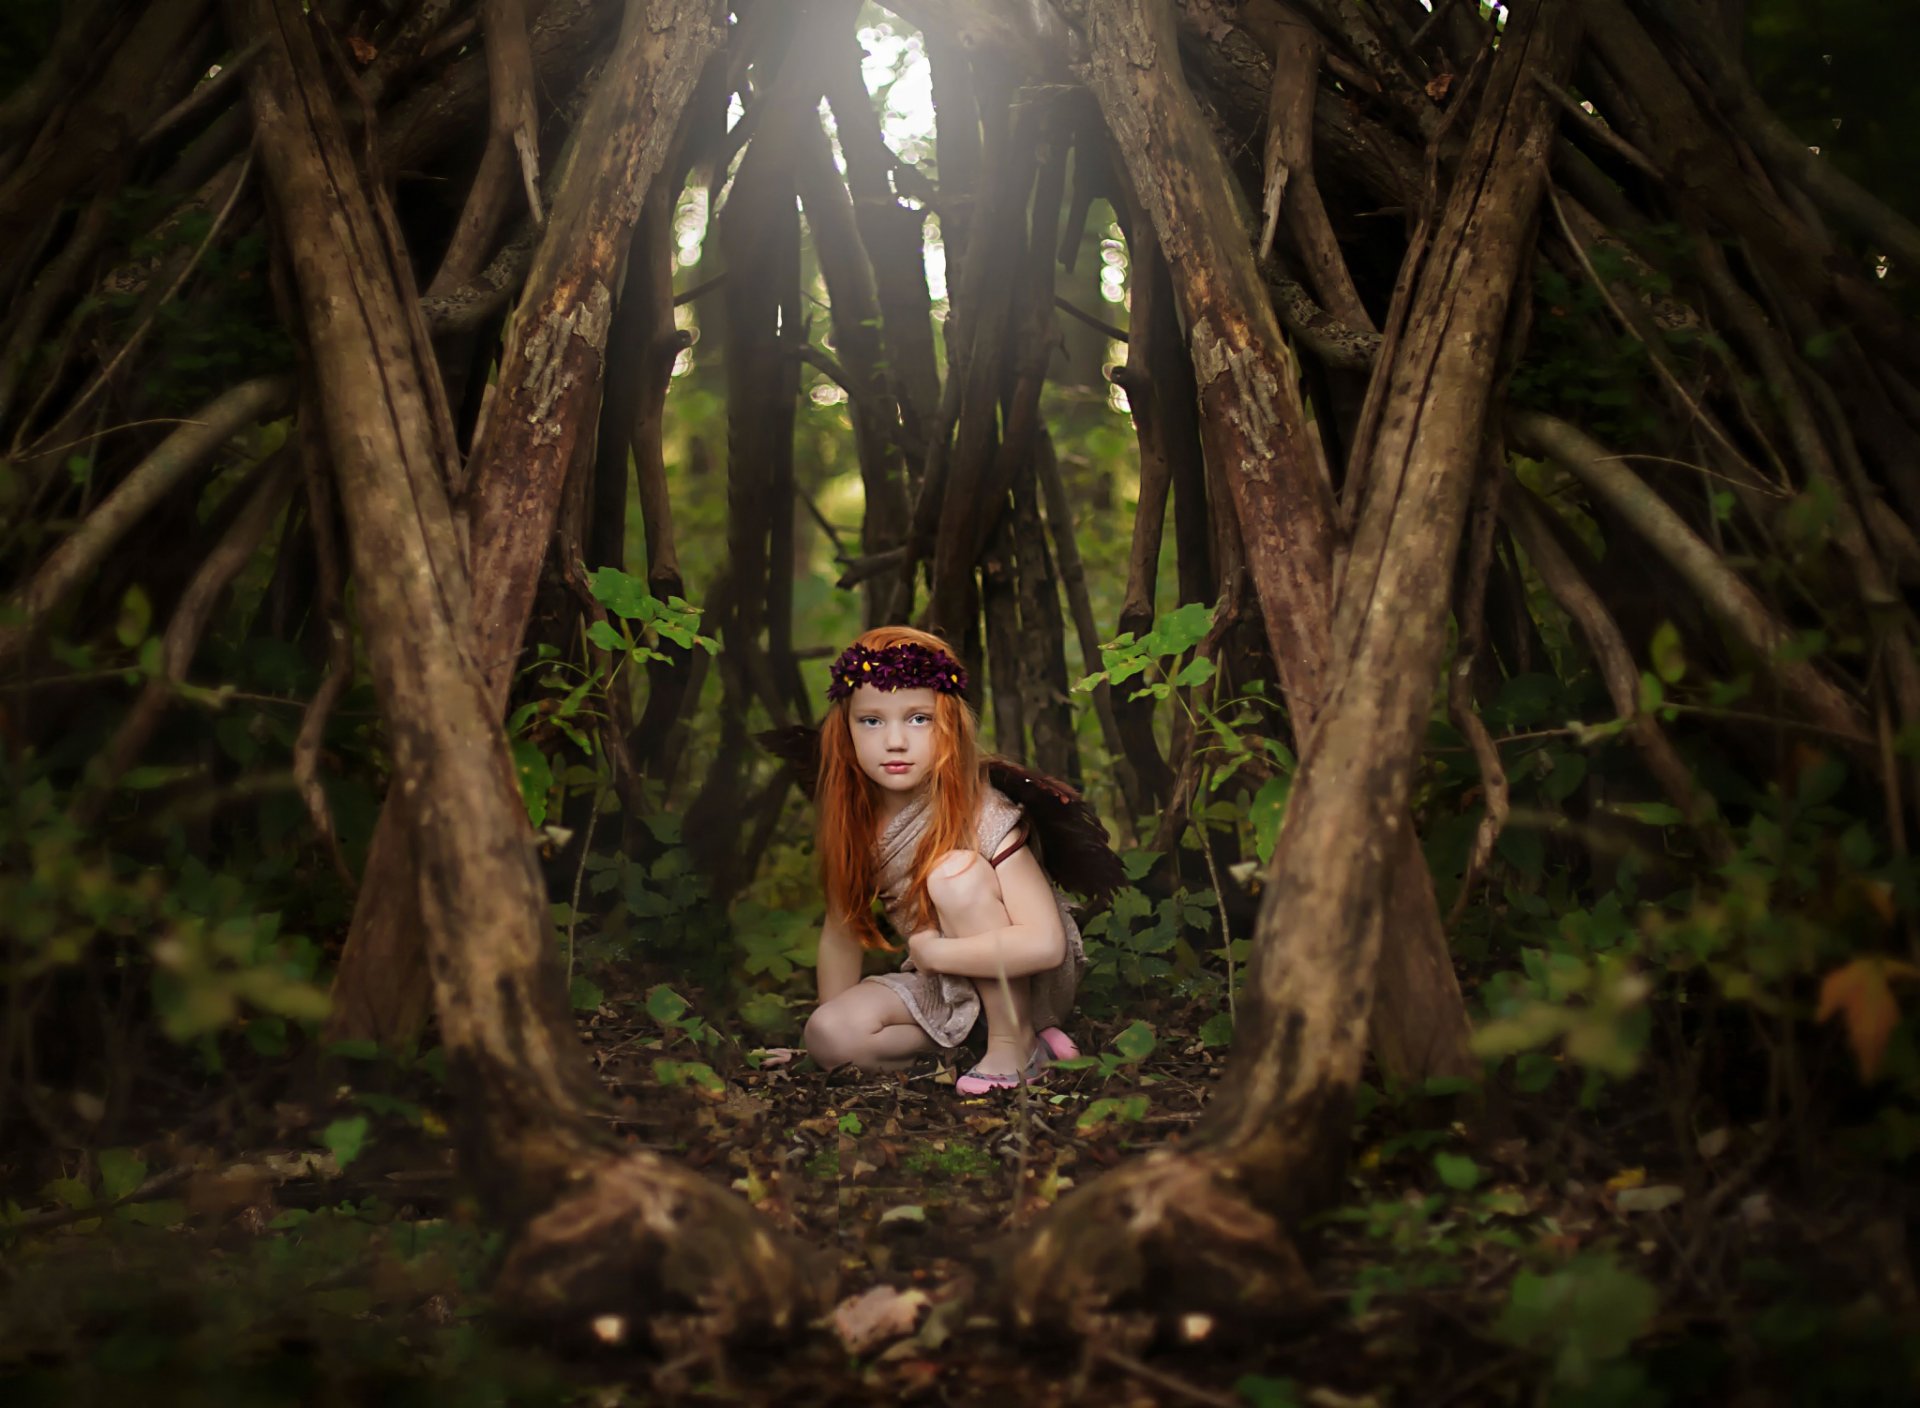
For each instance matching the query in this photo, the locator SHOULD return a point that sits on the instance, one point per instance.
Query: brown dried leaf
(1860, 993)
(1439, 86)
(363, 52)
(873, 1317)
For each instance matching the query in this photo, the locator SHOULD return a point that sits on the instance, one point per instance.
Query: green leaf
(1669, 659)
(1533, 1072)
(1569, 771)
(584, 993)
(603, 635)
(69, 1193)
(1138, 863)
(345, 1138)
(696, 1073)
(850, 1123)
(1580, 1317)
(136, 616)
(621, 593)
(1527, 699)
(1136, 1043)
(1217, 1030)
(1124, 1109)
(1262, 1392)
(530, 765)
(1268, 809)
(121, 1171)
(1652, 693)
(1178, 630)
(1195, 672)
(665, 1005)
(1457, 1171)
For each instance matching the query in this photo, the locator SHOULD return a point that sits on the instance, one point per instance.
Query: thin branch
(1710, 422)
(191, 617)
(144, 487)
(60, 1217)
(1471, 616)
(1591, 124)
(1098, 324)
(204, 95)
(699, 290)
(100, 382)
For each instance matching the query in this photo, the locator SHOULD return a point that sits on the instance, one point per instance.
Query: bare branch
(146, 485)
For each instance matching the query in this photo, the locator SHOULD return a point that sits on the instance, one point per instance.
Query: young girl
(907, 814)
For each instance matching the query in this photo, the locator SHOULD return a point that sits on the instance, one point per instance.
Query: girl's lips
(897, 767)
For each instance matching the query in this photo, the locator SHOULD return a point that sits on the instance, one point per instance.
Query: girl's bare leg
(867, 1026)
(966, 893)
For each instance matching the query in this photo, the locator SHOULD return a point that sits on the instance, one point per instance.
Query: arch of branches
(1335, 217)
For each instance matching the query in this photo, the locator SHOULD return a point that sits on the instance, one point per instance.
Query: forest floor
(280, 1250)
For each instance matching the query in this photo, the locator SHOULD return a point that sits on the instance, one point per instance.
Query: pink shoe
(1059, 1044)
(979, 1082)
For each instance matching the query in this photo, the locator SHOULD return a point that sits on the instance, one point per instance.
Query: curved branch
(146, 485)
(1734, 604)
(1617, 669)
(191, 615)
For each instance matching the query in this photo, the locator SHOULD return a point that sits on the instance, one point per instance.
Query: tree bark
(528, 1139)
(1275, 1135)
(546, 398)
(1254, 429)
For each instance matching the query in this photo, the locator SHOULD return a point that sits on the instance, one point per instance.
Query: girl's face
(893, 736)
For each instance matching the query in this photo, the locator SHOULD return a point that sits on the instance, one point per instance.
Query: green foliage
(211, 952)
(1580, 1317)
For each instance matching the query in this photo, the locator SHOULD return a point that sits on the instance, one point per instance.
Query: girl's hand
(921, 947)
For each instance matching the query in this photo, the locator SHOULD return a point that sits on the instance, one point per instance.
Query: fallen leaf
(875, 1316)
(1439, 86)
(1652, 1198)
(906, 1212)
(362, 50)
(1860, 993)
(1714, 1143)
(1626, 1178)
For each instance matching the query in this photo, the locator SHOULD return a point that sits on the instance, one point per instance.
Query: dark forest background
(895, 320)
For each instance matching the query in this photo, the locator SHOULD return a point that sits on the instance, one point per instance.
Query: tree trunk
(1254, 429)
(546, 397)
(1272, 1145)
(528, 1139)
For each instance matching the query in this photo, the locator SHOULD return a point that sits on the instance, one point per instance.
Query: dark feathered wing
(1073, 841)
(1070, 836)
(798, 746)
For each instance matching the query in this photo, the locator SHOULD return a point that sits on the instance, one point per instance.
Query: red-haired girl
(907, 815)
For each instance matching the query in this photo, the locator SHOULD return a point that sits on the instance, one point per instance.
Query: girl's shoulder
(998, 814)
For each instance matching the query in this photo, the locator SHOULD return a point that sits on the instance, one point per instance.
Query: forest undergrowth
(1664, 769)
(261, 1235)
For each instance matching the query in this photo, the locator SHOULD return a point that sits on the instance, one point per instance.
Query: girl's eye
(923, 718)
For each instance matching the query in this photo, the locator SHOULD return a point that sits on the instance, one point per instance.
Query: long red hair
(849, 813)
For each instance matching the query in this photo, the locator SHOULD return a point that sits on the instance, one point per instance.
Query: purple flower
(903, 666)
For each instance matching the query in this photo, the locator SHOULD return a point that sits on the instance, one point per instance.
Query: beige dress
(946, 1007)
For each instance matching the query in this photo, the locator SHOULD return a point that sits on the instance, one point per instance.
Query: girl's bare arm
(838, 966)
(1033, 942)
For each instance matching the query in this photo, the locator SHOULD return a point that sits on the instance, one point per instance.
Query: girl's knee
(829, 1037)
(959, 878)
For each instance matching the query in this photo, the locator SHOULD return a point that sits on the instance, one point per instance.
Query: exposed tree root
(1169, 1234)
(644, 1248)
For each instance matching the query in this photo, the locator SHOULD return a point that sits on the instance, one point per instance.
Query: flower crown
(903, 666)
